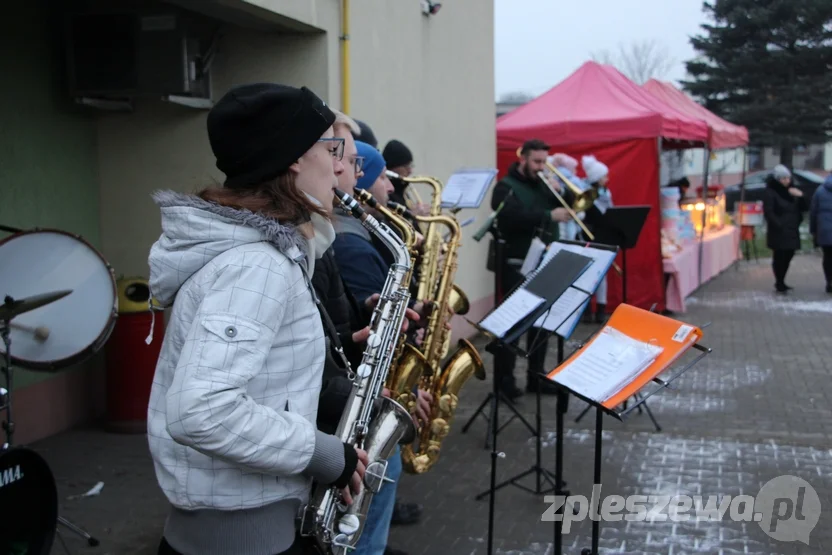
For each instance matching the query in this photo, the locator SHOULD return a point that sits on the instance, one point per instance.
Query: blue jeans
(373, 539)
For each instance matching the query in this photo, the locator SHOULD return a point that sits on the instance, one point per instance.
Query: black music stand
(619, 415)
(562, 406)
(542, 338)
(549, 283)
(621, 226)
(496, 396)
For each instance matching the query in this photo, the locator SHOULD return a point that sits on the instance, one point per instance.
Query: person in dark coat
(530, 210)
(399, 160)
(783, 211)
(820, 226)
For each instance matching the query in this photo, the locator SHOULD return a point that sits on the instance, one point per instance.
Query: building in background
(96, 119)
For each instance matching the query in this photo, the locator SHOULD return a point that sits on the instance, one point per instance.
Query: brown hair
(278, 198)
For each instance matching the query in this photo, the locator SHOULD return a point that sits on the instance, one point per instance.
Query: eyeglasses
(337, 151)
(358, 162)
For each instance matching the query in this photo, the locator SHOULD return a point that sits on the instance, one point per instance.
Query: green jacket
(527, 212)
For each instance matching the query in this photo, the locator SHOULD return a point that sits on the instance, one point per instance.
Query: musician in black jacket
(351, 319)
(530, 210)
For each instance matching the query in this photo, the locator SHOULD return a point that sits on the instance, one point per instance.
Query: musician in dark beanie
(399, 160)
(398, 157)
(231, 418)
(365, 135)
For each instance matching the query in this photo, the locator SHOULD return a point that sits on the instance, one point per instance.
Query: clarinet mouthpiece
(399, 208)
(350, 204)
(367, 197)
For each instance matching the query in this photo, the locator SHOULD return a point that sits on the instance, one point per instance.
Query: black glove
(350, 464)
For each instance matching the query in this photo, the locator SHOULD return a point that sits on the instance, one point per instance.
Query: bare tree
(515, 97)
(640, 61)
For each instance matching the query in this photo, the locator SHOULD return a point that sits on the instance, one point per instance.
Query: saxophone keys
(374, 475)
(348, 525)
(364, 370)
(374, 340)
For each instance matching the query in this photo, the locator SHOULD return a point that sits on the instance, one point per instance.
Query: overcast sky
(538, 43)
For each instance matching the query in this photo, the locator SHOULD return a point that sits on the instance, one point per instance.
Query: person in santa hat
(597, 175)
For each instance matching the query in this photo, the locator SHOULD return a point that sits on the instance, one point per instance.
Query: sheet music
(516, 307)
(533, 256)
(565, 330)
(607, 365)
(562, 310)
(466, 188)
(601, 262)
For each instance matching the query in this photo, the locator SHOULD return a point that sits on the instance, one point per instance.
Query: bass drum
(40, 261)
(29, 501)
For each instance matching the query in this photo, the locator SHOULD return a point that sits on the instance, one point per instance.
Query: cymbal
(13, 308)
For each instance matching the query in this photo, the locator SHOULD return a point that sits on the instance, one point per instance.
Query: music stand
(562, 404)
(496, 396)
(549, 282)
(675, 338)
(621, 226)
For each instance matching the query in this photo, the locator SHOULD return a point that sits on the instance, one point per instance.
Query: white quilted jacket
(231, 420)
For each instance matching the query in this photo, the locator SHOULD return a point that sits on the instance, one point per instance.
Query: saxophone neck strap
(329, 327)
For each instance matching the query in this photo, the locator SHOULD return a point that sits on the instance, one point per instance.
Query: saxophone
(370, 421)
(404, 377)
(442, 382)
(432, 248)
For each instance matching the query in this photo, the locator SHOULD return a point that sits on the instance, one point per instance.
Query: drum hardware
(41, 541)
(62, 259)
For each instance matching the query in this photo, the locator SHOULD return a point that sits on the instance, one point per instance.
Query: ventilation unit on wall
(115, 58)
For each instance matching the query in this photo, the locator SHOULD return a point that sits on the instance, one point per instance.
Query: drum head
(29, 499)
(43, 261)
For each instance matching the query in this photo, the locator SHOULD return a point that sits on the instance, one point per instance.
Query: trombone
(584, 198)
(569, 209)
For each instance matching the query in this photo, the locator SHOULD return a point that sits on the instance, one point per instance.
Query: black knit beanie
(396, 154)
(366, 135)
(257, 131)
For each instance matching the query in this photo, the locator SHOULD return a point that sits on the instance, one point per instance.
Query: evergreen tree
(767, 65)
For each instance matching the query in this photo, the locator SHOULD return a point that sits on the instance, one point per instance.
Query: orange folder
(674, 336)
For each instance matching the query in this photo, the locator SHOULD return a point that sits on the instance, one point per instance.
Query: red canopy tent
(599, 111)
(721, 133)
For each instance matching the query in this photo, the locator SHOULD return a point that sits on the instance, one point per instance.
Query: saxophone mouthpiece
(350, 204)
(392, 175)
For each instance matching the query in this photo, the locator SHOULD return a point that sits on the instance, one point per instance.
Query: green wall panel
(48, 153)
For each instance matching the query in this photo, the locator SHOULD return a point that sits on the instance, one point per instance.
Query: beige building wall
(162, 145)
(427, 81)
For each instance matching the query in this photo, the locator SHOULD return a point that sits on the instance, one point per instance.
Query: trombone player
(530, 210)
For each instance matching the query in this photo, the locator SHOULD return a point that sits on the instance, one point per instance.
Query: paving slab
(759, 407)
